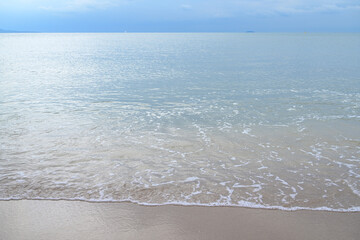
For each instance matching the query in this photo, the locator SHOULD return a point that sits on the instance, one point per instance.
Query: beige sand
(82, 220)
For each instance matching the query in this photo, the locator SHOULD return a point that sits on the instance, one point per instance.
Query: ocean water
(255, 120)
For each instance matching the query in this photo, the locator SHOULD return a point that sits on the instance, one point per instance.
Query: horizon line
(248, 32)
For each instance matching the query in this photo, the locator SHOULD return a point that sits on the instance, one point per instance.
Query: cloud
(199, 8)
(293, 6)
(186, 7)
(81, 5)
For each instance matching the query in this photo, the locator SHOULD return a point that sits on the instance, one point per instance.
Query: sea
(260, 120)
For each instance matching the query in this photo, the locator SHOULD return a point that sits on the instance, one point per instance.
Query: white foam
(224, 183)
(164, 183)
(353, 188)
(282, 181)
(293, 195)
(247, 131)
(190, 179)
(240, 203)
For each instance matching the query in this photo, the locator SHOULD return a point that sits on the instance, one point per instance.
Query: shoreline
(64, 219)
(247, 205)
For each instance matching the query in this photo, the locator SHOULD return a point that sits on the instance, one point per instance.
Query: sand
(43, 219)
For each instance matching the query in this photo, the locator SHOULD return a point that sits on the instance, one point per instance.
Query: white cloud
(81, 5)
(186, 7)
(235, 8)
(199, 7)
(293, 6)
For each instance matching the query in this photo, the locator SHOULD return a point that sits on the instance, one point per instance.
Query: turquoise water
(258, 120)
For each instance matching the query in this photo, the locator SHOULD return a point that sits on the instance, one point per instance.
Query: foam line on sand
(44, 219)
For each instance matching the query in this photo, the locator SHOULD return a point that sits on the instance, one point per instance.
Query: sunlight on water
(259, 120)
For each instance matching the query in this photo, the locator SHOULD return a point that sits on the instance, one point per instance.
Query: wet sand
(43, 219)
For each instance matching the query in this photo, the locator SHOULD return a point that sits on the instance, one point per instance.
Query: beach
(179, 120)
(46, 219)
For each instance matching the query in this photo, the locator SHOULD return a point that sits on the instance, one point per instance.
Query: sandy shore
(82, 220)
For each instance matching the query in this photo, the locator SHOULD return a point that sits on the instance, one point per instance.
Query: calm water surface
(258, 120)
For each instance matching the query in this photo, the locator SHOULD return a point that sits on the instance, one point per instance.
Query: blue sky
(180, 15)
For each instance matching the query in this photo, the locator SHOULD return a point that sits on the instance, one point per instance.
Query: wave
(244, 204)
